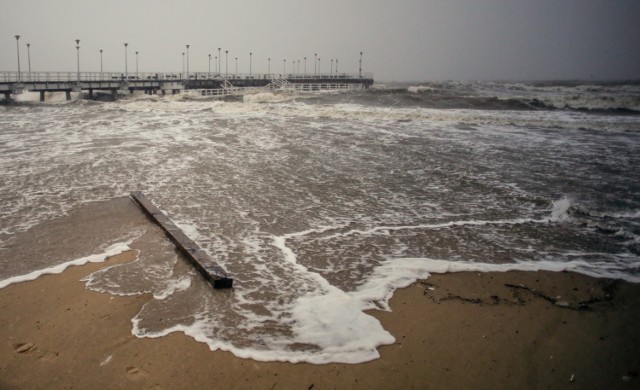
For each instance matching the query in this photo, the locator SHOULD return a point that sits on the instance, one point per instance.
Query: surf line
(208, 268)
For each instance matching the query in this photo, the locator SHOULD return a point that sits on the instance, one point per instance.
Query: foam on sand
(112, 250)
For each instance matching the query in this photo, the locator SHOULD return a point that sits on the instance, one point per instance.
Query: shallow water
(319, 206)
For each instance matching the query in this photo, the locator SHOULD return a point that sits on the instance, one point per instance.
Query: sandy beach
(465, 330)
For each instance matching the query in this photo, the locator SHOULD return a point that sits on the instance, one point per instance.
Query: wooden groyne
(207, 267)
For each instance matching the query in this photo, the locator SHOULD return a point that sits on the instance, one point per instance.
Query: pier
(206, 83)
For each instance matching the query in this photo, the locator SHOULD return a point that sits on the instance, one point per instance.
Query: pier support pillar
(164, 92)
(114, 93)
(68, 94)
(7, 96)
(42, 96)
(91, 94)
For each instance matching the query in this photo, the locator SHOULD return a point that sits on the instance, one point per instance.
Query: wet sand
(528, 330)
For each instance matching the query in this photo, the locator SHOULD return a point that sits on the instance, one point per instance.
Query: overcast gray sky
(402, 40)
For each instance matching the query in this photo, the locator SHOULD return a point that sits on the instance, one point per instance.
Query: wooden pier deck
(15, 83)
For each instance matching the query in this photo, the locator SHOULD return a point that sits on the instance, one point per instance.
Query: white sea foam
(420, 88)
(560, 209)
(57, 269)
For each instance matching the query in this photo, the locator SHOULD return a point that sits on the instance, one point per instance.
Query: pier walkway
(208, 84)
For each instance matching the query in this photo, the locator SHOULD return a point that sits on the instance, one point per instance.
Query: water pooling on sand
(320, 206)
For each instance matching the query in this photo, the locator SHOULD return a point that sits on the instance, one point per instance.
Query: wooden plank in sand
(208, 268)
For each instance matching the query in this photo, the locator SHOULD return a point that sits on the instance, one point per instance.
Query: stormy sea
(320, 205)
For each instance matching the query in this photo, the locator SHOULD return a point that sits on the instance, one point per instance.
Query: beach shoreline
(458, 330)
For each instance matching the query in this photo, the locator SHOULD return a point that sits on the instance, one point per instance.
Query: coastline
(459, 330)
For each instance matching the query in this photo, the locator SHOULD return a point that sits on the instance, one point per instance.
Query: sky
(401, 40)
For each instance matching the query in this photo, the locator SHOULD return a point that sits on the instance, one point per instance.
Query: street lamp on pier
(284, 66)
(332, 66)
(136, 65)
(187, 62)
(298, 67)
(226, 63)
(236, 67)
(315, 61)
(219, 59)
(269, 65)
(305, 66)
(319, 71)
(29, 59)
(78, 52)
(126, 65)
(215, 62)
(182, 74)
(18, 49)
(100, 63)
(360, 71)
(250, 57)
(336, 66)
(209, 73)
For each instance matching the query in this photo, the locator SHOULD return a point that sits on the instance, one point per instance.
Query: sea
(319, 205)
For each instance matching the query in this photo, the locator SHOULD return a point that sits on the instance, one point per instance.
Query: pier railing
(297, 87)
(27, 77)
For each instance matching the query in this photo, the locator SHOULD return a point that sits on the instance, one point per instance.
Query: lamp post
(29, 59)
(332, 66)
(269, 65)
(215, 62)
(182, 74)
(209, 73)
(100, 63)
(219, 59)
(226, 63)
(336, 66)
(298, 72)
(305, 66)
(284, 66)
(187, 62)
(18, 49)
(136, 65)
(315, 61)
(319, 71)
(360, 71)
(250, 57)
(236, 76)
(126, 65)
(78, 52)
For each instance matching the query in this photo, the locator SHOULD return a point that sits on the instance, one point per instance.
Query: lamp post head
(17, 37)
(100, 51)
(126, 44)
(136, 53)
(226, 52)
(187, 47)
(209, 56)
(28, 44)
